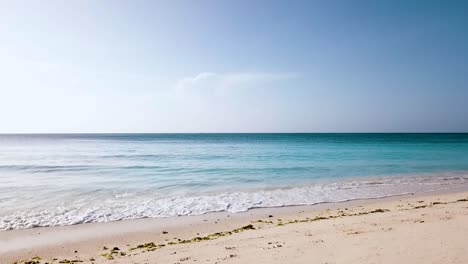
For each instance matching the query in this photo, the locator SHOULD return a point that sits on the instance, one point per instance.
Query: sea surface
(51, 180)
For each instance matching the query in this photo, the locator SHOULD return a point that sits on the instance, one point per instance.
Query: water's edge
(144, 207)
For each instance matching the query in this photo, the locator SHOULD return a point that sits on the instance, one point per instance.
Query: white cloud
(227, 81)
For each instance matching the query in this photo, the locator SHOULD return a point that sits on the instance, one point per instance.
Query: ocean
(67, 179)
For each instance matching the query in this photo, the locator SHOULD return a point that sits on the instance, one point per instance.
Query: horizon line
(155, 133)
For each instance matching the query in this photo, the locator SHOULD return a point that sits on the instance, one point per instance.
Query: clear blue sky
(233, 66)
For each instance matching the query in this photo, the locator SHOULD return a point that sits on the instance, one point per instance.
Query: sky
(86, 66)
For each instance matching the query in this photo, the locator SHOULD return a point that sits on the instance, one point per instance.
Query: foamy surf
(128, 206)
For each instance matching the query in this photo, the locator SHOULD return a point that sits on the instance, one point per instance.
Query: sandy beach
(424, 228)
(232, 132)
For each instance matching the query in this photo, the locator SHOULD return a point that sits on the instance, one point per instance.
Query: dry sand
(428, 228)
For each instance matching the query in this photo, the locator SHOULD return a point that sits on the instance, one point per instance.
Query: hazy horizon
(233, 67)
(195, 133)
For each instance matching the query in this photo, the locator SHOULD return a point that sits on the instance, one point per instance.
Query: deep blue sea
(50, 180)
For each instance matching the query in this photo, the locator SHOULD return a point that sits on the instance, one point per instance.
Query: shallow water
(48, 180)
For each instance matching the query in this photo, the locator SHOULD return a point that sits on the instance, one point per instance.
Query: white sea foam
(129, 206)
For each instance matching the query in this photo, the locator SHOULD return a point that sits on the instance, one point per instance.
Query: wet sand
(423, 228)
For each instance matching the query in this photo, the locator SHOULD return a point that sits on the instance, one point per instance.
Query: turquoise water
(48, 180)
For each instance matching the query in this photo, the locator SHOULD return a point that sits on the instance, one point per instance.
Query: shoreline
(85, 242)
(321, 191)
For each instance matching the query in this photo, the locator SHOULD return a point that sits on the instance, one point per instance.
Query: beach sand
(424, 228)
